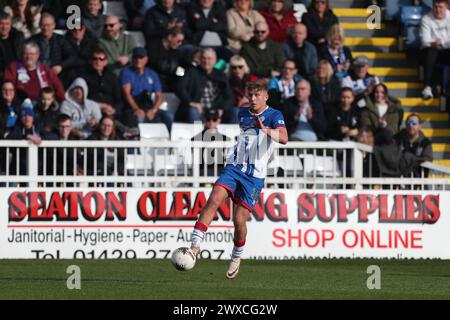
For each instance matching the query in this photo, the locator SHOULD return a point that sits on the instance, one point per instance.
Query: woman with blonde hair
(241, 21)
(324, 86)
(339, 56)
(279, 17)
(25, 17)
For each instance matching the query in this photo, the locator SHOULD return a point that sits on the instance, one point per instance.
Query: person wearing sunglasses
(412, 139)
(117, 45)
(264, 57)
(318, 20)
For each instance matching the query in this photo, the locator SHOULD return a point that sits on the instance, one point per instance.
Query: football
(183, 259)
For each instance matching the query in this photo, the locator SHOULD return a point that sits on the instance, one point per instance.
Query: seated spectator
(242, 20)
(318, 20)
(359, 79)
(280, 18)
(103, 85)
(435, 37)
(382, 111)
(305, 118)
(139, 83)
(301, 51)
(117, 45)
(65, 161)
(29, 76)
(136, 10)
(168, 59)
(162, 17)
(81, 43)
(9, 110)
(25, 129)
(47, 110)
(84, 112)
(11, 42)
(283, 87)
(334, 51)
(344, 118)
(55, 51)
(412, 140)
(203, 88)
(211, 159)
(25, 17)
(93, 18)
(264, 57)
(99, 159)
(239, 76)
(325, 87)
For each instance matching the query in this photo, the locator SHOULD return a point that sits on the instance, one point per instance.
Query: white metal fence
(318, 165)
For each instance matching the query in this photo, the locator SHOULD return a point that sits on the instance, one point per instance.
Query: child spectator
(47, 110)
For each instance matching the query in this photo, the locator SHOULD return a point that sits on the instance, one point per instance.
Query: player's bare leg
(240, 234)
(217, 196)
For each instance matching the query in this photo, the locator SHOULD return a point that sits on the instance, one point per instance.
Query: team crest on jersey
(150, 81)
(281, 122)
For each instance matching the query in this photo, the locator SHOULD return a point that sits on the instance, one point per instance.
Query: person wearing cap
(55, 50)
(139, 83)
(359, 79)
(82, 43)
(117, 45)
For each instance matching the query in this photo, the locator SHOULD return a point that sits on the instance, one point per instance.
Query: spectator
(242, 20)
(139, 83)
(81, 43)
(25, 129)
(136, 10)
(211, 159)
(25, 17)
(47, 110)
(165, 15)
(318, 20)
(168, 59)
(344, 118)
(435, 37)
(103, 85)
(29, 76)
(301, 51)
(239, 76)
(58, 9)
(264, 57)
(325, 87)
(84, 112)
(10, 108)
(283, 87)
(203, 88)
(208, 22)
(55, 51)
(382, 111)
(11, 42)
(280, 18)
(117, 45)
(412, 140)
(93, 18)
(359, 79)
(99, 159)
(305, 117)
(334, 51)
(66, 157)
(370, 167)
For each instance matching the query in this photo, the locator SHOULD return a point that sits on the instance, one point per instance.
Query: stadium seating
(229, 130)
(185, 131)
(154, 131)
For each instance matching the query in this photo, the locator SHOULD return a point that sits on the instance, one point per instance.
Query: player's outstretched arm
(279, 134)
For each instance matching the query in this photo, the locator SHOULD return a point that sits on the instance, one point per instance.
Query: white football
(183, 259)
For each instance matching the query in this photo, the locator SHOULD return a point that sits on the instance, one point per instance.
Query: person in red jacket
(279, 17)
(29, 76)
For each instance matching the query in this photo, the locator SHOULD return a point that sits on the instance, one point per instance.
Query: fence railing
(318, 165)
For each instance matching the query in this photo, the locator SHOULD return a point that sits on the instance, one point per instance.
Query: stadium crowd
(94, 82)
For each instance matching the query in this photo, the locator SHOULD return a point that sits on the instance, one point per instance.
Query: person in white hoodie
(85, 113)
(435, 38)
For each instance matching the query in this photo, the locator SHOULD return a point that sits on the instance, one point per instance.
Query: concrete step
(362, 29)
(432, 132)
(430, 116)
(441, 162)
(379, 44)
(419, 102)
(394, 72)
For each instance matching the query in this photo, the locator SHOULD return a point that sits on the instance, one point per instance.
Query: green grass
(293, 280)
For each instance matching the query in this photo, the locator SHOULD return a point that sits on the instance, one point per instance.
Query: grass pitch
(292, 280)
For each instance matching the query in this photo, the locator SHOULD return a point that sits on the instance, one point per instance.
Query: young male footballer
(245, 170)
